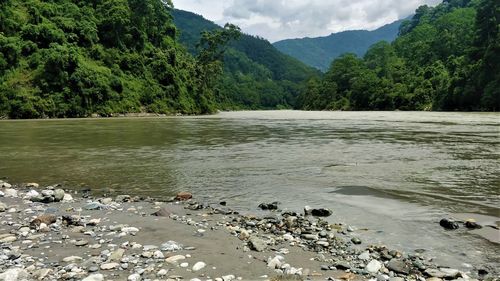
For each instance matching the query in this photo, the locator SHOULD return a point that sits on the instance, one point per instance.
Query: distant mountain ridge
(319, 52)
(256, 75)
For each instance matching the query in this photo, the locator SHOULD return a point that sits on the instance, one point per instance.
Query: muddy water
(392, 175)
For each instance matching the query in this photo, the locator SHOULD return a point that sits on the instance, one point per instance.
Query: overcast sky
(282, 19)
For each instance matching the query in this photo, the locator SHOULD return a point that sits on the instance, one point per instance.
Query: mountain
(257, 75)
(321, 51)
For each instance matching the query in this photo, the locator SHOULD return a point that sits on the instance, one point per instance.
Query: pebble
(134, 277)
(109, 266)
(175, 259)
(373, 266)
(199, 266)
(94, 277)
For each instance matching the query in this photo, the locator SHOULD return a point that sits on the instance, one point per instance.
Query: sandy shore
(47, 233)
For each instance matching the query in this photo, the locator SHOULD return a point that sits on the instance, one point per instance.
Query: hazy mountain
(321, 51)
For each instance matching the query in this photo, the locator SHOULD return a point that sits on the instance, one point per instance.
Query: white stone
(184, 264)
(109, 266)
(94, 277)
(228, 277)
(72, 259)
(162, 272)
(199, 266)
(31, 194)
(10, 192)
(130, 230)
(67, 198)
(158, 255)
(175, 259)
(14, 274)
(134, 277)
(276, 262)
(374, 266)
(364, 256)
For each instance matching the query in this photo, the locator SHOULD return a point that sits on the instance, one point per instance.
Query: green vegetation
(321, 51)
(67, 58)
(445, 58)
(256, 74)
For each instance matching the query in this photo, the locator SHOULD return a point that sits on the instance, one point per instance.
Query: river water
(391, 175)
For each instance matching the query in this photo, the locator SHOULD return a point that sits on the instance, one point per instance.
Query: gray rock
(257, 244)
(356, 240)
(59, 195)
(93, 206)
(398, 266)
(116, 255)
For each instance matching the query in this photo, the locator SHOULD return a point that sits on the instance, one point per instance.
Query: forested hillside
(445, 58)
(75, 58)
(321, 51)
(256, 74)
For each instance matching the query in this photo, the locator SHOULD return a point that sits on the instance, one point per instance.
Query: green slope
(257, 75)
(321, 51)
(446, 58)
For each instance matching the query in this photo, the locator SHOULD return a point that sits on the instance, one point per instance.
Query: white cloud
(282, 19)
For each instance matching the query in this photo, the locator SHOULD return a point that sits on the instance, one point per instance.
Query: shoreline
(47, 233)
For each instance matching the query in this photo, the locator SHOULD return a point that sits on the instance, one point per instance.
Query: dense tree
(446, 58)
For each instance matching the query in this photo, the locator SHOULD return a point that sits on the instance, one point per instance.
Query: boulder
(183, 196)
(449, 224)
(269, 206)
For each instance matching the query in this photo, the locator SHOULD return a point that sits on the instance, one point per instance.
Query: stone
(130, 230)
(307, 210)
(41, 274)
(310, 237)
(321, 212)
(175, 259)
(257, 244)
(81, 243)
(67, 198)
(3, 207)
(373, 266)
(398, 266)
(449, 224)
(275, 263)
(72, 259)
(183, 196)
(10, 192)
(199, 266)
(436, 273)
(8, 239)
(472, 224)
(162, 272)
(117, 255)
(134, 277)
(123, 198)
(47, 219)
(59, 195)
(184, 265)
(163, 212)
(158, 255)
(94, 277)
(32, 185)
(450, 272)
(342, 265)
(244, 235)
(109, 266)
(364, 256)
(93, 206)
(269, 206)
(356, 240)
(5, 184)
(14, 274)
(171, 246)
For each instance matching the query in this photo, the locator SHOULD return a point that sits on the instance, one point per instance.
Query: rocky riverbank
(47, 233)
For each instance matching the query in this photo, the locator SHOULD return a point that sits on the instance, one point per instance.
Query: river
(391, 175)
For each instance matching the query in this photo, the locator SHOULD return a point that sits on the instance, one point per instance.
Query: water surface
(393, 173)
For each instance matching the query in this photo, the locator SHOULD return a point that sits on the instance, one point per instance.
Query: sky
(283, 19)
